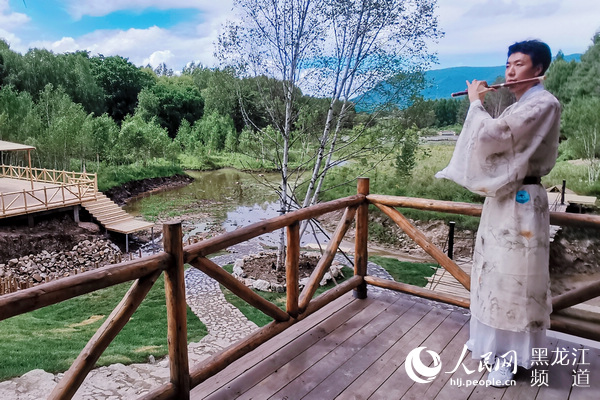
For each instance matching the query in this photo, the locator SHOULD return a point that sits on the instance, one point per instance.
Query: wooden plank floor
(36, 199)
(356, 349)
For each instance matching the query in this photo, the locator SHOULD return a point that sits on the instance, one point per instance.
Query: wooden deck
(356, 349)
(18, 196)
(21, 197)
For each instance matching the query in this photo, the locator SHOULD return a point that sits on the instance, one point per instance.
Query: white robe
(510, 285)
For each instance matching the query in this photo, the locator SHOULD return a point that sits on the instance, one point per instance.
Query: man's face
(519, 67)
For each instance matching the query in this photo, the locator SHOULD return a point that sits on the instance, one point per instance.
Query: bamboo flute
(505, 84)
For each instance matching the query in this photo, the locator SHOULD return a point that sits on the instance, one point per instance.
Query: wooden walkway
(17, 197)
(356, 349)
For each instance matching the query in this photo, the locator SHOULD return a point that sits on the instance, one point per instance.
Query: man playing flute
(503, 159)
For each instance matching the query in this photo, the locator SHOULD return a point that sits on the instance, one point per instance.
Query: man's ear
(538, 70)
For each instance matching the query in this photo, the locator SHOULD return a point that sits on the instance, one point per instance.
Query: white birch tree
(337, 49)
(373, 41)
(276, 38)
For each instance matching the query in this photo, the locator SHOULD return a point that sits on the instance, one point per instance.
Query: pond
(230, 197)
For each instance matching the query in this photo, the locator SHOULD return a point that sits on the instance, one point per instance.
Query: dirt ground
(264, 267)
(56, 233)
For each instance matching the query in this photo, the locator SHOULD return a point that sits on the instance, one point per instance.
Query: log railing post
(176, 311)
(362, 233)
(292, 258)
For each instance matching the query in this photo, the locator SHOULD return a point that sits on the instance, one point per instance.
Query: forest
(100, 113)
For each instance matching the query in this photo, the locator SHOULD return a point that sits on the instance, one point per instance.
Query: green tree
(65, 128)
(18, 120)
(406, 159)
(585, 80)
(557, 78)
(122, 82)
(581, 126)
(186, 138)
(103, 136)
(171, 101)
(446, 111)
(214, 129)
(141, 140)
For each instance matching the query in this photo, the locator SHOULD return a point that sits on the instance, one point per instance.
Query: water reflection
(235, 197)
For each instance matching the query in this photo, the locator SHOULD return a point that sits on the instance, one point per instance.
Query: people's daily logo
(417, 370)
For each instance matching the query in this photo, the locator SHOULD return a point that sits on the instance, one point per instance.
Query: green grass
(406, 272)
(52, 337)
(110, 176)
(257, 316)
(576, 177)
(154, 207)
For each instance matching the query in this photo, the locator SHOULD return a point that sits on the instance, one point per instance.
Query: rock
(326, 278)
(35, 384)
(238, 268)
(303, 282)
(261, 285)
(37, 277)
(278, 288)
(13, 262)
(89, 226)
(336, 270)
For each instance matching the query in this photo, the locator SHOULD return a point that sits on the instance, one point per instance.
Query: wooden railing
(46, 175)
(299, 305)
(67, 188)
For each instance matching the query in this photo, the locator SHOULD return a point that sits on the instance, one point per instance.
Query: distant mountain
(443, 82)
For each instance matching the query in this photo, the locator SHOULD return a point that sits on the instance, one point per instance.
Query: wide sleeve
(492, 155)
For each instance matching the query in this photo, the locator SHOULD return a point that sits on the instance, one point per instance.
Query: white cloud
(158, 57)
(488, 27)
(141, 46)
(177, 46)
(10, 20)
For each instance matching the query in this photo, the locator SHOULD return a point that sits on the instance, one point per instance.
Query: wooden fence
(64, 188)
(46, 175)
(299, 305)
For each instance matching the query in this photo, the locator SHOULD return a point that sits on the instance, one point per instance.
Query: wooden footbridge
(340, 344)
(29, 191)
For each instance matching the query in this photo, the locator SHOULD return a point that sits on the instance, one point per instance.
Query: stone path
(225, 325)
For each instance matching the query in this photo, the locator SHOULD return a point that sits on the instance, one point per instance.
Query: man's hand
(477, 90)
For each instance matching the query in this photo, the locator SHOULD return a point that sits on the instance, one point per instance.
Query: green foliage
(141, 140)
(65, 128)
(406, 272)
(110, 176)
(446, 111)
(18, 120)
(212, 131)
(122, 82)
(170, 102)
(557, 78)
(581, 126)
(38, 68)
(406, 159)
(52, 337)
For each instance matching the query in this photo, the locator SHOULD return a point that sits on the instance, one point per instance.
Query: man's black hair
(538, 51)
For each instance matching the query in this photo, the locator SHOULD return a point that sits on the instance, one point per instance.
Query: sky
(176, 32)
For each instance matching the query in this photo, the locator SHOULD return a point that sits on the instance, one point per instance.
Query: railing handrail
(53, 176)
(79, 191)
